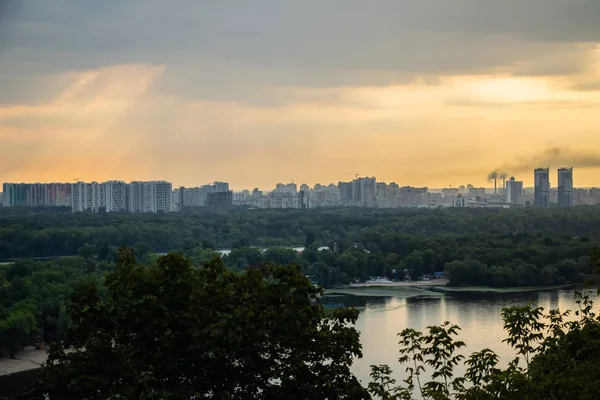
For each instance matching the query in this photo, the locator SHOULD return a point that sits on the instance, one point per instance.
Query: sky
(419, 92)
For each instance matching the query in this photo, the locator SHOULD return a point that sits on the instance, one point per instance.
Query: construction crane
(356, 175)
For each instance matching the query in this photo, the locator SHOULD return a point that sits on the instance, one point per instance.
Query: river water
(478, 315)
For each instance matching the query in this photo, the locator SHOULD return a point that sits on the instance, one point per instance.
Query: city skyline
(489, 185)
(426, 93)
(154, 196)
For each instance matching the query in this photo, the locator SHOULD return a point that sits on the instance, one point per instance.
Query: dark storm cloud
(302, 42)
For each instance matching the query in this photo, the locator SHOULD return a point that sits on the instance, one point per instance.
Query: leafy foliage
(175, 331)
(560, 360)
(33, 298)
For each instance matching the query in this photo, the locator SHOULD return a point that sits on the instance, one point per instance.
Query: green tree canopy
(178, 332)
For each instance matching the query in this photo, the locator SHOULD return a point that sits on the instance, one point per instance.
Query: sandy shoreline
(434, 282)
(23, 361)
(431, 288)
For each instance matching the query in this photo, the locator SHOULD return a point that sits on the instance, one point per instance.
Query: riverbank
(488, 289)
(431, 289)
(402, 291)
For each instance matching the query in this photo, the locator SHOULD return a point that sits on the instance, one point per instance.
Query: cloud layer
(423, 92)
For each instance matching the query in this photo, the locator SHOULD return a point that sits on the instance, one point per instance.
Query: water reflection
(478, 315)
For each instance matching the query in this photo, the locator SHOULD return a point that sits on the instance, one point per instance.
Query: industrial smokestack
(493, 176)
(503, 176)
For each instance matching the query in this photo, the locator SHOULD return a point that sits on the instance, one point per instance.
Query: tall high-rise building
(152, 196)
(15, 194)
(514, 191)
(88, 196)
(565, 187)
(289, 188)
(37, 194)
(541, 195)
(302, 199)
(117, 196)
(220, 187)
(135, 196)
(346, 190)
(200, 196)
(160, 196)
(364, 191)
(220, 200)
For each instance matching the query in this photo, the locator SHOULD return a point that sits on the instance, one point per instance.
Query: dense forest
(506, 247)
(472, 247)
(27, 232)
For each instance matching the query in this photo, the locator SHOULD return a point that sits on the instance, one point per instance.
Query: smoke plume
(493, 175)
(553, 157)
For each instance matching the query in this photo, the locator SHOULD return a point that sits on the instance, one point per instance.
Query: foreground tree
(172, 331)
(557, 358)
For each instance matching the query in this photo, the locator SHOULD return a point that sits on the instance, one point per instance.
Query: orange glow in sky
(128, 120)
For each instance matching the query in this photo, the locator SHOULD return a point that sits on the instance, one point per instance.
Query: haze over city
(425, 93)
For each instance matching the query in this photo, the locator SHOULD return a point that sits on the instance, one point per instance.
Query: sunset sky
(255, 92)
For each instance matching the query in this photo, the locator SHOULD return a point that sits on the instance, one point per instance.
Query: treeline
(512, 247)
(49, 233)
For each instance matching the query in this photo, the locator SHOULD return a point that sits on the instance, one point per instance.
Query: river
(381, 318)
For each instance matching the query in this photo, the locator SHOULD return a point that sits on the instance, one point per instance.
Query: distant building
(175, 199)
(117, 196)
(221, 187)
(161, 191)
(449, 193)
(409, 196)
(199, 196)
(460, 202)
(364, 192)
(476, 192)
(289, 188)
(152, 196)
(241, 198)
(541, 196)
(220, 200)
(88, 197)
(346, 191)
(302, 199)
(565, 187)
(514, 191)
(36, 194)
